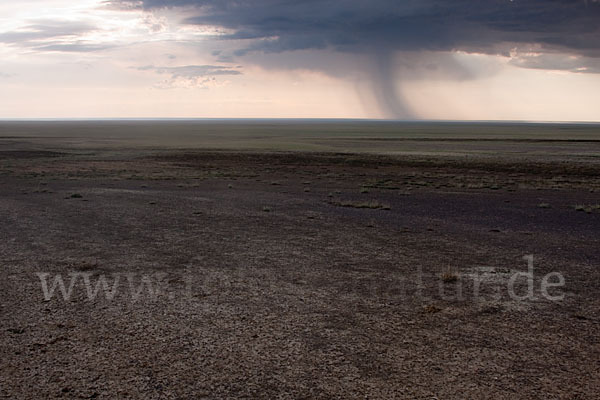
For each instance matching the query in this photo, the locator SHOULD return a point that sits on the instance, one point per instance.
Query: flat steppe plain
(276, 259)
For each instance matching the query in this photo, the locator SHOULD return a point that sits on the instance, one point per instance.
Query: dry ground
(296, 275)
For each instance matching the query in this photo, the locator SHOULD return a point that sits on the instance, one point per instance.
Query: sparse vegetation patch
(373, 204)
(449, 277)
(587, 208)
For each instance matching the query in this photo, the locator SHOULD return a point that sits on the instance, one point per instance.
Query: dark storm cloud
(380, 28)
(351, 25)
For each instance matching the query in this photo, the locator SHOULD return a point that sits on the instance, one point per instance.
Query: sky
(533, 60)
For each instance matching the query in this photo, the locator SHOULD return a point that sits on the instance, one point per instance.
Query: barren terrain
(314, 267)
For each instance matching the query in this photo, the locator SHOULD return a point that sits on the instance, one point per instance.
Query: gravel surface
(296, 275)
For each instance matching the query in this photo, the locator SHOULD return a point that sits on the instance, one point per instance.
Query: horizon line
(283, 119)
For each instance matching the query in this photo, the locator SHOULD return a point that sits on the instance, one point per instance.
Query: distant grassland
(521, 140)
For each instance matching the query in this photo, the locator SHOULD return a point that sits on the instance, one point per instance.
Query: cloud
(559, 62)
(41, 31)
(54, 36)
(191, 76)
(155, 24)
(490, 26)
(378, 29)
(75, 47)
(192, 70)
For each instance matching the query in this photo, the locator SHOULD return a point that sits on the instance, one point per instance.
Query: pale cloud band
(190, 76)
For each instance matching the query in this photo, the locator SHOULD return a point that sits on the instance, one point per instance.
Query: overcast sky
(401, 59)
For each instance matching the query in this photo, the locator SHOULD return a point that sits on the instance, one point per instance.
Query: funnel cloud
(383, 79)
